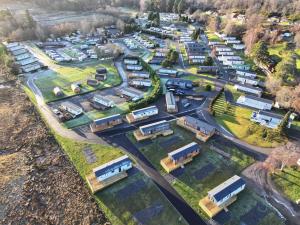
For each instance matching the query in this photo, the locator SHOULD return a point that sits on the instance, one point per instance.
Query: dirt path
(38, 184)
(258, 178)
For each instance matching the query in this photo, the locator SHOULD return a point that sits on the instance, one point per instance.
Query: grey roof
(226, 188)
(270, 114)
(102, 98)
(112, 165)
(199, 124)
(143, 110)
(259, 99)
(107, 119)
(183, 151)
(153, 125)
(249, 86)
(170, 99)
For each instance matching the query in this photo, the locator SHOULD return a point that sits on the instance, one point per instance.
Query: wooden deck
(130, 118)
(211, 209)
(96, 185)
(169, 166)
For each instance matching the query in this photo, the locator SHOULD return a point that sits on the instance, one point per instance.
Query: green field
(121, 210)
(212, 36)
(237, 121)
(288, 181)
(63, 75)
(279, 51)
(191, 188)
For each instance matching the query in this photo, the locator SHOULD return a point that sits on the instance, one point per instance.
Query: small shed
(58, 92)
(75, 88)
(92, 82)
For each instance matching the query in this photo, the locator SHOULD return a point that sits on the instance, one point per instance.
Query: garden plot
(136, 200)
(206, 171)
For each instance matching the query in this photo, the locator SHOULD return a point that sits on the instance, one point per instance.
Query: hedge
(156, 92)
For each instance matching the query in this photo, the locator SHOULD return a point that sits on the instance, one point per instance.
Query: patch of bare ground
(258, 176)
(38, 185)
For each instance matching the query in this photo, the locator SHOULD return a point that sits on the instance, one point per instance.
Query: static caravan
(255, 102)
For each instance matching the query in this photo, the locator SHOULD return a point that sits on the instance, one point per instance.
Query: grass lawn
(193, 188)
(202, 82)
(237, 120)
(236, 94)
(118, 208)
(288, 181)
(296, 124)
(193, 70)
(277, 49)
(212, 36)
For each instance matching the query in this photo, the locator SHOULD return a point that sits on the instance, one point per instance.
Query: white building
(233, 42)
(267, 119)
(112, 168)
(140, 83)
(144, 112)
(247, 80)
(255, 102)
(221, 53)
(134, 67)
(171, 102)
(223, 49)
(238, 46)
(248, 89)
(225, 191)
(103, 101)
(246, 73)
(71, 108)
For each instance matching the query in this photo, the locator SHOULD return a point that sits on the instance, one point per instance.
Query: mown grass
(212, 36)
(288, 181)
(236, 120)
(64, 76)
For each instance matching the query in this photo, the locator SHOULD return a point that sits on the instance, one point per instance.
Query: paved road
(184, 209)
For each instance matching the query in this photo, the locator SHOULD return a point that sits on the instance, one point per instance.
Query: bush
(208, 87)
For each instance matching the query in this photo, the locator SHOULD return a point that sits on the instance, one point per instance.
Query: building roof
(183, 151)
(258, 99)
(112, 165)
(270, 114)
(107, 119)
(248, 86)
(201, 125)
(178, 81)
(151, 125)
(70, 105)
(227, 187)
(170, 99)
(102, 99)
(143, 110)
